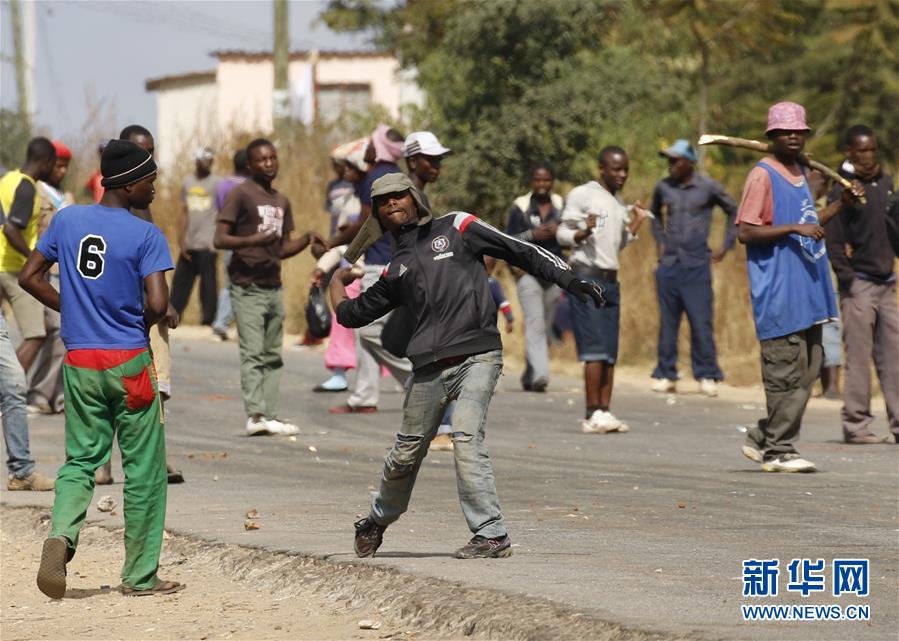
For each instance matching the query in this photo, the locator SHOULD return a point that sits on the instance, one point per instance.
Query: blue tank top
(790, 278)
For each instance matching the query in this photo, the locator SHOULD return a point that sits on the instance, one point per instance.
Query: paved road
(647, 529)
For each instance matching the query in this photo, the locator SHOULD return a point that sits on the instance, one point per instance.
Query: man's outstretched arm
(483, 239)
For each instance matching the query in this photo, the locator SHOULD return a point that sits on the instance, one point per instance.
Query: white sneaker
(789, 463)
(664, 385)
(709, 387)
(275, 426)
(601, 422)
(256, 427)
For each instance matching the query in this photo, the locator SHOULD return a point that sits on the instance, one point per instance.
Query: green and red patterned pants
(113, 394)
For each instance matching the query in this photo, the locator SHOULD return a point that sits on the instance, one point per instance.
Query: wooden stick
(764, 147)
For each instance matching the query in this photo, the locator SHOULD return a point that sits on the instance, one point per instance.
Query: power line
(179, 17)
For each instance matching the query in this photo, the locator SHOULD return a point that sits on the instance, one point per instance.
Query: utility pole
(281, 93)
(21, 65)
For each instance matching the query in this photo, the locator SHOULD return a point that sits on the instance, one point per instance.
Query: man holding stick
(792, 294)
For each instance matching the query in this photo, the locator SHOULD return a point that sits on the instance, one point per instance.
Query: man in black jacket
(858, 244)
(437, 278)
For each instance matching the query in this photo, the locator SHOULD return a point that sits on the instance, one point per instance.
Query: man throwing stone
(437, 277)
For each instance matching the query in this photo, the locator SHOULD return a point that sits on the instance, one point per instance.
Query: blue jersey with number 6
(104, 255)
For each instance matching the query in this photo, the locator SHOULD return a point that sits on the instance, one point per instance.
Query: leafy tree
(14, 132)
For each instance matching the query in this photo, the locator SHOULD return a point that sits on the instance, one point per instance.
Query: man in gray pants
(535, 217)
(862, 257)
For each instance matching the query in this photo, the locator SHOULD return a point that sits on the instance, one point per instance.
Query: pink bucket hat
(788, 116)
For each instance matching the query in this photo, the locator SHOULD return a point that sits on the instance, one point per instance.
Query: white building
(237, 96)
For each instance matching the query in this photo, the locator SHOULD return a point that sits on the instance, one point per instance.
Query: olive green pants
(259, 312)
(107, 396)
(790, 366)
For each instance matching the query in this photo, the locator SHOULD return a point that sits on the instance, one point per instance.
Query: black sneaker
(368, 537)
(483, 548)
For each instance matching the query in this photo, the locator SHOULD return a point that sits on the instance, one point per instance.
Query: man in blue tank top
(789, 278)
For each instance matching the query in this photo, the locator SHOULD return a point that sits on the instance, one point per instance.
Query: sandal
(161, 587)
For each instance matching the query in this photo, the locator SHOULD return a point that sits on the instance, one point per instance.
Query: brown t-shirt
(250, 209)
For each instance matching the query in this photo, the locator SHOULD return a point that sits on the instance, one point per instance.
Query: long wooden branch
(764, 147)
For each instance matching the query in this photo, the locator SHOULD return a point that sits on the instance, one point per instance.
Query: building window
(336, 99)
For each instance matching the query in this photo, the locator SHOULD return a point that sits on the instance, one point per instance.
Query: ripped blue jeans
(470, 384)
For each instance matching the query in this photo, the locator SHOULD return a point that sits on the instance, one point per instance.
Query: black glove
(583, 290)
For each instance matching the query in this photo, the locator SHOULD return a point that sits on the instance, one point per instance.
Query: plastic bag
(318, 316)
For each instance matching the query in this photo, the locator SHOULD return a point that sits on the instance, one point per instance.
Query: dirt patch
(240, 593)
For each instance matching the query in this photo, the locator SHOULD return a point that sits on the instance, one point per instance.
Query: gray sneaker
(483, 548)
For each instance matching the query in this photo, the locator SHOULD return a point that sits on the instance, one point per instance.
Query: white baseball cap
(204, 153)
(423, 142)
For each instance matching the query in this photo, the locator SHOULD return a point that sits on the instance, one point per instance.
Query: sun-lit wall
(237, 96)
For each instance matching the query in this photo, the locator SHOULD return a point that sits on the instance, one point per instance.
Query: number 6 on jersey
(90, 256)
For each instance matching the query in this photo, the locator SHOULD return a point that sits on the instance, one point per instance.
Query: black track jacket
(437, 277)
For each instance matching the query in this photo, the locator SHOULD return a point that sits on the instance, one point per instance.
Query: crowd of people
(412, 296)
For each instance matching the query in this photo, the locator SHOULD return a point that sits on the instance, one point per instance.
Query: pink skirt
(341, 351)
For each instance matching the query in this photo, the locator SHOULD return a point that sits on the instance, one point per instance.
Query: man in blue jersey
(108, 260)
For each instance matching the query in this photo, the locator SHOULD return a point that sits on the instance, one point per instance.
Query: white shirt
(600, 249)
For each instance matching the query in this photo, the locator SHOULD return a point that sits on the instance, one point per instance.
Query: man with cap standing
(197, 255)
(21, 206)
(438, 279)
(683, 204)
(384, 149)
(109, 262)
(789, 278)
(424, 155)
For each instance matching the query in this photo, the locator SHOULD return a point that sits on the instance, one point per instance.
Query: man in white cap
(424, 155)
(197, 255)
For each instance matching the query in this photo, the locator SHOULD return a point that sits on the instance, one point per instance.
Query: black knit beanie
(124, 163)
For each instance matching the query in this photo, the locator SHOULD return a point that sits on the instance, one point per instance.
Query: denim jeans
(686, 289)
(539, 308)
(470, 383)
(12, 403)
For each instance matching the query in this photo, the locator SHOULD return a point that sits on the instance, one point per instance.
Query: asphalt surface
(647, 529)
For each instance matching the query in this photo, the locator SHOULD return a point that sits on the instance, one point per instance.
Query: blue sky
(101, 53)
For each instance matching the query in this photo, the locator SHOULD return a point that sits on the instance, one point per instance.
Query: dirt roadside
(240, 593)
(213, 606)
